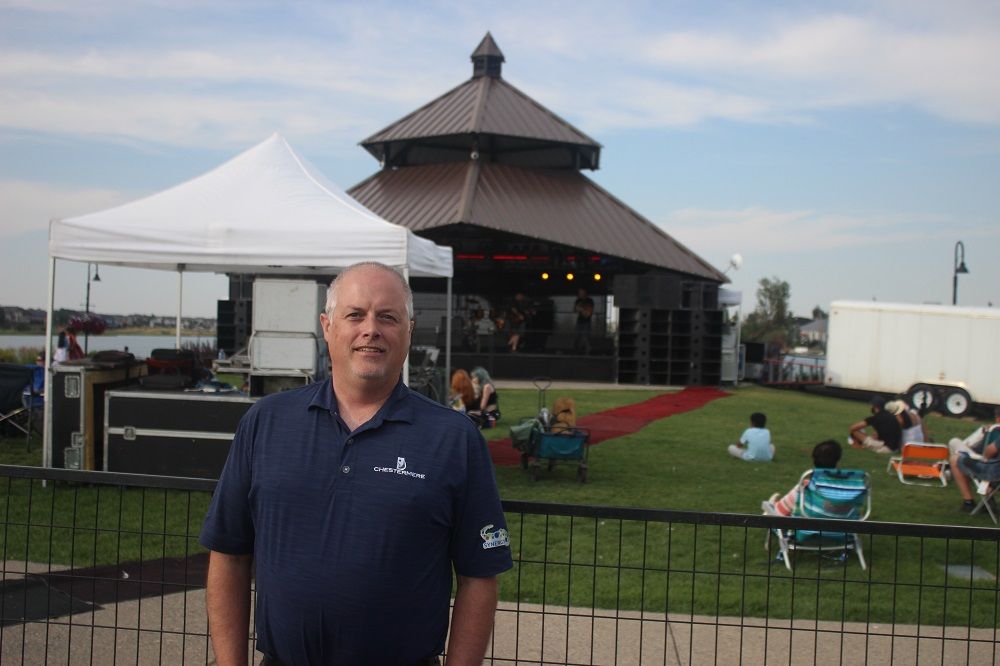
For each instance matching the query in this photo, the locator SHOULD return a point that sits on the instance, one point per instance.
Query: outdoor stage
(505, 365)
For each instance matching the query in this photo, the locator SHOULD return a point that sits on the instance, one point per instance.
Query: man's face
(368, 332)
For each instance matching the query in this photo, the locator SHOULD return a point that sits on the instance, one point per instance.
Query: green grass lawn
(681, 462)
(676, 463)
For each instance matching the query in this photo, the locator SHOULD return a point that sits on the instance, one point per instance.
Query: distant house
(813, 333)
(14, 315)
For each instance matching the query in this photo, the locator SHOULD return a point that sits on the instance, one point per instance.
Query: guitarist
(584, 308)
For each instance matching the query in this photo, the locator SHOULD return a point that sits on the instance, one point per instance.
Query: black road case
(170, 433)
(77, 413)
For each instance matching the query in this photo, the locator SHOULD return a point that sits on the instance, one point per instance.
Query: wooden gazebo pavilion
(494, 174)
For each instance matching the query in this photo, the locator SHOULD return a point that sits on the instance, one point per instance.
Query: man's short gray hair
(331, 291)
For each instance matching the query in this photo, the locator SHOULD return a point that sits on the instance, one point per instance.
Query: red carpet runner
(622, 420)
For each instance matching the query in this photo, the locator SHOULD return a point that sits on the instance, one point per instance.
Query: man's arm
(860, 425)
(472, 620)
(227, 592)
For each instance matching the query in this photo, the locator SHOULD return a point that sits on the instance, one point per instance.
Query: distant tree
(819, 313)
(771, 322)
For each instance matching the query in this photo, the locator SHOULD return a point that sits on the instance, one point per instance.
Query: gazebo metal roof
(556, 205)
(487, 155)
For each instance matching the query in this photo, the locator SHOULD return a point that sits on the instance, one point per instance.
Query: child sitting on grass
(825, 455)
(755, 442)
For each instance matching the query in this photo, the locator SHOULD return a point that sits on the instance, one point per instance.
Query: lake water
(140, 345)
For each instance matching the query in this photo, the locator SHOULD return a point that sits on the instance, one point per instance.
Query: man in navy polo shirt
(354, 498)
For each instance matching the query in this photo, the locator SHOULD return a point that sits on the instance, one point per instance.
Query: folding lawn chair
(844, 494)
(921, 464)
(985, 474)
(14, 381)
(33, 399)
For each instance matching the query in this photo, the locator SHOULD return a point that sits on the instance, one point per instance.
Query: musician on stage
(584, 308)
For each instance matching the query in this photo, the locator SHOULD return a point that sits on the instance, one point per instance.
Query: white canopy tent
(267, 210)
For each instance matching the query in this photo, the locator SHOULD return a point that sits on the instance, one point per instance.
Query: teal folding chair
(843, 494)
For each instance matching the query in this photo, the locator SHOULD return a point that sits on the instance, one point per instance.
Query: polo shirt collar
(397, 407)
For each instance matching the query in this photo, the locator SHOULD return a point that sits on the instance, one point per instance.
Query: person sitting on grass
(825, 455)
(486, 411)
(755, 442)
(887, 436)
(969, 461)
(462, 396)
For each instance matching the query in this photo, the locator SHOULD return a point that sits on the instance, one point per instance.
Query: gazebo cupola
(487, 59)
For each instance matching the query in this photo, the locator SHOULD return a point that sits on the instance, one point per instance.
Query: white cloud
(841, 60)
(759, 231)
(27, 206)
(828, 256)
(644, 103)
(226, 87)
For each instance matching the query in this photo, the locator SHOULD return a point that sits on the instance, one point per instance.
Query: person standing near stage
(353, 499)
(584, 309)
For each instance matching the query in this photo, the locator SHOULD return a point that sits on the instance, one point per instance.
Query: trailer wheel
(923, 398)
(957, 402)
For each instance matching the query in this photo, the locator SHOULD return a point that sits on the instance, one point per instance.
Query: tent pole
(447, 339)
(47, 404)
(406, 361)
(180, 303)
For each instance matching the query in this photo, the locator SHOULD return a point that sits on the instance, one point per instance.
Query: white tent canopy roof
(267, 210)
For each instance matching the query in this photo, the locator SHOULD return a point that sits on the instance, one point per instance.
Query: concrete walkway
(525, 634)
(171, 629)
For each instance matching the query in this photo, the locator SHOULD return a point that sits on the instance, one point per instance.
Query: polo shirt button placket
(346, 469)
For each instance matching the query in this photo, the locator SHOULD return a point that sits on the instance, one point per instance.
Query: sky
(844, 147)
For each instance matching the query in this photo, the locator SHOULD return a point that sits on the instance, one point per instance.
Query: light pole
(96, 278)
(959, 268)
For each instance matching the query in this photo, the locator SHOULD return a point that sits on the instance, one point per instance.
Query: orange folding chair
(921, 464)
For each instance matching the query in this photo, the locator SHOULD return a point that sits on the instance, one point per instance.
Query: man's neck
(357, 405)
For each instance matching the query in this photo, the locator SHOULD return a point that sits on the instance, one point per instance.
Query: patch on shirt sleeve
(497, 539)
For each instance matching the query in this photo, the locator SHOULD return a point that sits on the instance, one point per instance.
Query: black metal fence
(105, 568)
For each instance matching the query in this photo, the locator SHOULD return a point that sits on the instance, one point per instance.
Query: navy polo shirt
(354, 534)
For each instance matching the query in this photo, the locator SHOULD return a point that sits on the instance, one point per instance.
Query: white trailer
(940, 356)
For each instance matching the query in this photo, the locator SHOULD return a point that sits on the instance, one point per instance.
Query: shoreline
(159, 331)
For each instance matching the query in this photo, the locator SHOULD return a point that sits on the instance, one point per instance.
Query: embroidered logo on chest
(400, 468)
